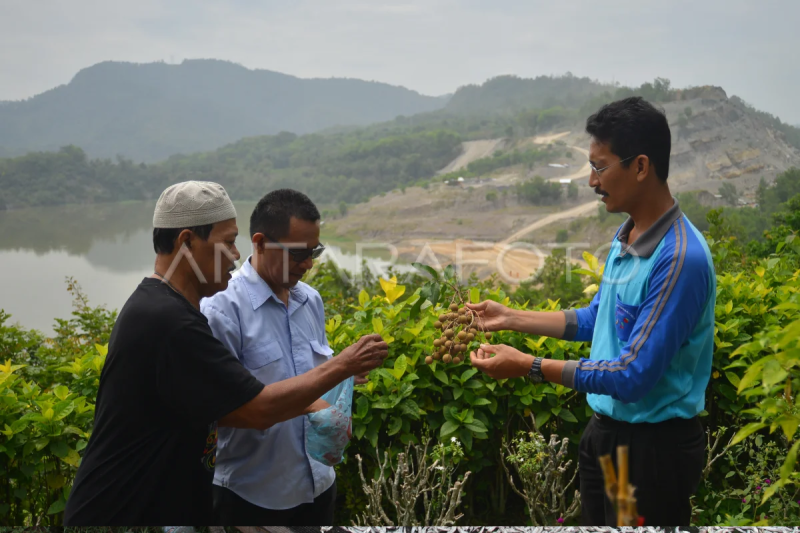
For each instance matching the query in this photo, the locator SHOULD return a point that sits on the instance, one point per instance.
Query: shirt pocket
(625, 316)
(320, 352)
(265, 362)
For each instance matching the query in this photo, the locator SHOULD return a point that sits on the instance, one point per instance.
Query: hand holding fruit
(366, 354)
(459, 326)
(494, 316)
(507, 362)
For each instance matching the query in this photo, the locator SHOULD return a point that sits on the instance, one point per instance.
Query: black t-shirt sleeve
(199, 379)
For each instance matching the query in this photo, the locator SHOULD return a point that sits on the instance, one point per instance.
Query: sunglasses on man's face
(300, 254)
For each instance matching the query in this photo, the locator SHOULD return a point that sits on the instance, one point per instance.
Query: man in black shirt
(168, 382)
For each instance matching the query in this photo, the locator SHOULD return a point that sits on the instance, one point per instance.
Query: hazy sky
(749, 48)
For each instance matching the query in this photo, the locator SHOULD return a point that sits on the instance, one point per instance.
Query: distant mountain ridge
(716, 139)
(507, 94)
(151, 111)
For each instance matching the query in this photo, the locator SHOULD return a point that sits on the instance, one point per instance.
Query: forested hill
(716, 139)
(512, 93)
(330, 168)
(148, 112)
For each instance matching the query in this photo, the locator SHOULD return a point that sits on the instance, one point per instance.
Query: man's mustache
(600, 191)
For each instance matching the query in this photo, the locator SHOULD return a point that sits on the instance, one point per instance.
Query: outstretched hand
(366, 354)
(493, 316)
(500, 361)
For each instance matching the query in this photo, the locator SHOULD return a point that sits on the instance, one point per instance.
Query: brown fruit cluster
(460, 327)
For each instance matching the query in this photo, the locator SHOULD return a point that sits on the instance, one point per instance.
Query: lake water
(106, 248)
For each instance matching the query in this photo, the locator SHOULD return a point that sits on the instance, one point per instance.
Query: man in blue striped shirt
(651, 325)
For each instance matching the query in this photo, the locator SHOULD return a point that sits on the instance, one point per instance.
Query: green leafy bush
(48, 389)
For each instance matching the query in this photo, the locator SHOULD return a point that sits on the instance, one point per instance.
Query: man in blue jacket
(651, 325)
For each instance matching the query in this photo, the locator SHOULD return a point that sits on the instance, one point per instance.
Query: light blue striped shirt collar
(260, 291)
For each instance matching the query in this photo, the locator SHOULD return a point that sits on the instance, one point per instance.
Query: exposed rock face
(721, 140)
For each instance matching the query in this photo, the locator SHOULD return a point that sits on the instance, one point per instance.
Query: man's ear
(642, 163)
(184, 237)
(258, 240)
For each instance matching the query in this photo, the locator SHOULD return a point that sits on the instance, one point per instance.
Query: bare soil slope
(472, 150)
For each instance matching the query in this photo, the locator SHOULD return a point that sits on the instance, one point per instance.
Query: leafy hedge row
(48, 387)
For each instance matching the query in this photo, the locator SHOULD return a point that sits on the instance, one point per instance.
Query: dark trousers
(231, 509)
(665, 464)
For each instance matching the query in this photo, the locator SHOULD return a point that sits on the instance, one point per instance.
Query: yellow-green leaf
(474, 295)
(789, 425)
(733, 378)
(729, 307)
(102, 349)
(400, 365)
(61, 392)
(746, 431)
(72, 458)
(333, 324)
(770, 491)
(791, 460)
(377, 325)
(63, 409)
(417, 330)
(591, 261)
(392, 290)
(773, 373)
(535, 345)
(760, 271)
(363, 297)
(751, 376)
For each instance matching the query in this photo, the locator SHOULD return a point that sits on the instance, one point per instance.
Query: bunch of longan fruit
(460, 326)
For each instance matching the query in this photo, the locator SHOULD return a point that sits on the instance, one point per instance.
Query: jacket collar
(646, 244)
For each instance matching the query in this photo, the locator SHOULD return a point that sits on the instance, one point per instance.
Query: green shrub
(48, 388)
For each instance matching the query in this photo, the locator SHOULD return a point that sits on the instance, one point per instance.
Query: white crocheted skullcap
(192, 203)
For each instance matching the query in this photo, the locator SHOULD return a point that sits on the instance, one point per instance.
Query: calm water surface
(107, 248)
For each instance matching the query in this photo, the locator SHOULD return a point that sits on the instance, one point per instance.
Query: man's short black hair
(164, 238)
(631, 127)
(274, 211)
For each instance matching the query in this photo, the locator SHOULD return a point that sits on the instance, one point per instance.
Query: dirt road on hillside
(583, 173)
(585, 169)
(513, 264)
(471, 151)
(545, 139)
(514, 261)
(575, 212)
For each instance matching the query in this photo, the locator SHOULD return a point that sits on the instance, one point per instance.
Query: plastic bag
(330, 429)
